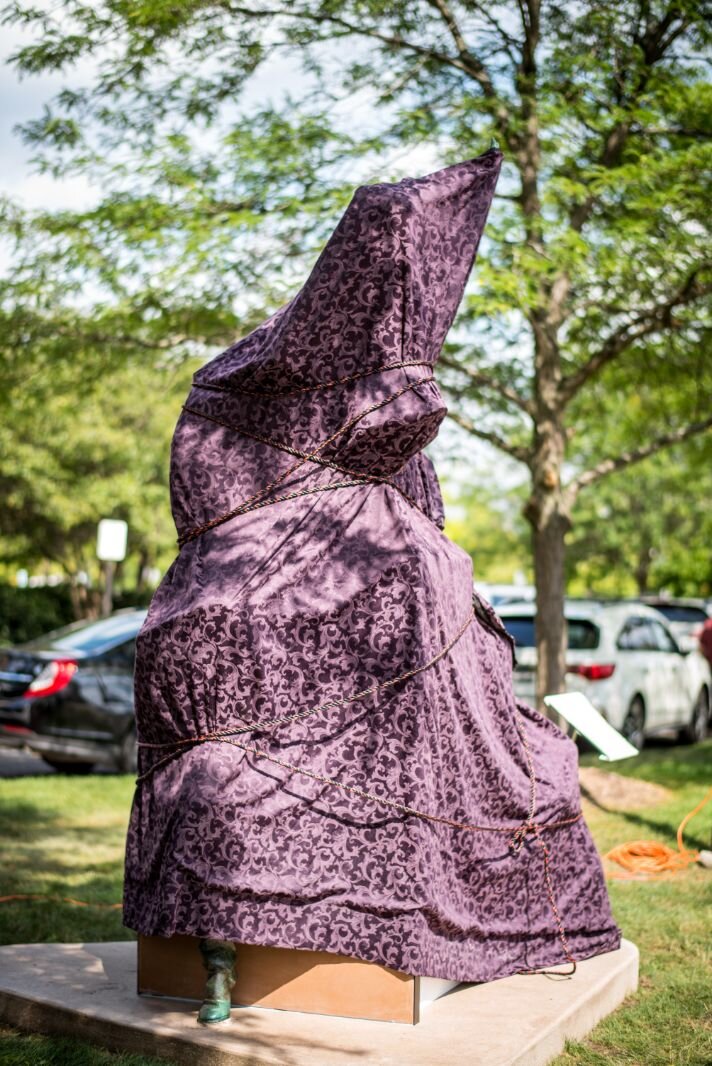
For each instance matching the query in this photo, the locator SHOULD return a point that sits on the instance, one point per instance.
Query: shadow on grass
(52, 919)
(22, 1049)
(26, 821)
(665, 763)
(665, 828)
(39, 841)
(52, 855)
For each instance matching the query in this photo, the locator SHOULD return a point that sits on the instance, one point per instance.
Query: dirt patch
(615, 792)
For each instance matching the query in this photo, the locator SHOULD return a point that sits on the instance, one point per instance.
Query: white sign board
(111, 539)
(579, 712)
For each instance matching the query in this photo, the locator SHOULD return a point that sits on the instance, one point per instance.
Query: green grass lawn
(669, 1021)
(64, 837)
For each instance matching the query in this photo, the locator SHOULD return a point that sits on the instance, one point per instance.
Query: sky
(24, 98)
(20, 100)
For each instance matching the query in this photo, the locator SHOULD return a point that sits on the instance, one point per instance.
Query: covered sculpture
(332, 756)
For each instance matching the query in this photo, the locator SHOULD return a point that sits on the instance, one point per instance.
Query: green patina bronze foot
(219, 961)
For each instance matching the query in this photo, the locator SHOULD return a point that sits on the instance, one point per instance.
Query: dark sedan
(69, 695)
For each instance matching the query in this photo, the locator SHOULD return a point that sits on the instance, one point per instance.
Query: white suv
(623, 656)
(684, 617)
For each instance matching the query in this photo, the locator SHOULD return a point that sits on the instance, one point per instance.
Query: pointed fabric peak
(442, 232)
(385, 288)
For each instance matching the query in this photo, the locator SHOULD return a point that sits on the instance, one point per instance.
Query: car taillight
(55, 676)
(592, 671)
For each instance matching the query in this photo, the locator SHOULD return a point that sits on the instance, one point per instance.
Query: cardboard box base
(315, 982)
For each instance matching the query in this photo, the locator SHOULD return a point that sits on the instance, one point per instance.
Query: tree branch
(470, 62)
(128, 340)
(610, 466)
(647, 322)
(465, 60)
(394, 40)
(672, 131)
(654, 45)
(522, 455)
(511, 44)
(484, 381)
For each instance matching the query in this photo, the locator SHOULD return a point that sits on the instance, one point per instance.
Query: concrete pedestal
(88, 991)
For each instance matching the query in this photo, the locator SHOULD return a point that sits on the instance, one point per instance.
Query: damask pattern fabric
(310, 608)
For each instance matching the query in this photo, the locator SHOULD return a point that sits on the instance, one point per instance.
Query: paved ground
(89, 991)
(19, 763)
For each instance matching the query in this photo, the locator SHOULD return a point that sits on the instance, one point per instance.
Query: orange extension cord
(40, 898)
(647, 860)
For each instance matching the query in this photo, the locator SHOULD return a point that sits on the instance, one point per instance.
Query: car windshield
(582, 633)
(87, 638)
(675, 612)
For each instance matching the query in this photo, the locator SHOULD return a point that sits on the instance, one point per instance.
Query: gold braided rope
(309, 457)
(258, 726)
(516, 833)
(277, 393)
(361, 477)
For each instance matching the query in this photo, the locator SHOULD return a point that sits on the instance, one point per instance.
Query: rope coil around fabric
(315, 387)
(517, 834)
(251, 503)
(274, 723)
(359, 478)
(22, 897)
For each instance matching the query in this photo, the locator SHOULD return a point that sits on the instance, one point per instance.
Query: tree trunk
(78, 597)
(545, 508)
(143, 560)
(642, 569)
(549, 578)
(548, 513)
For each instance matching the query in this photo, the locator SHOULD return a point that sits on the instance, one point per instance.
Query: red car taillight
(55, 676)
(592, 671)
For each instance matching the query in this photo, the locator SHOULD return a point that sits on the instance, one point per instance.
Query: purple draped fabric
(331, 581)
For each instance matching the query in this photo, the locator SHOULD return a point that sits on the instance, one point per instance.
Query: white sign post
(111, 538)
